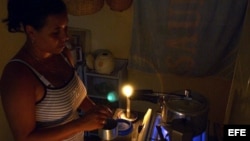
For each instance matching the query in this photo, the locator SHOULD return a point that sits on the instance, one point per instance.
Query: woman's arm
(20, 90)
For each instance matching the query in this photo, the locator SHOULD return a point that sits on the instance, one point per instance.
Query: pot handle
(145, 94)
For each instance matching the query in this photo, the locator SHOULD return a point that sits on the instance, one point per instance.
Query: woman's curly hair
(31, 12)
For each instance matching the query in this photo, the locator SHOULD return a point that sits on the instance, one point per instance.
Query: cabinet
(106, 89)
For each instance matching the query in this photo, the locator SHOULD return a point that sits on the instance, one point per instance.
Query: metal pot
(109, 131)
(185, 110)
(182, 111)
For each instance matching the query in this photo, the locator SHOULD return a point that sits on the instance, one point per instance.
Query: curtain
(186, 37)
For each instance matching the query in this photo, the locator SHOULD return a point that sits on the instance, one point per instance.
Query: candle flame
(127, 90)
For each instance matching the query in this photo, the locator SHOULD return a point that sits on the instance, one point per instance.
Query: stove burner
(163, 134)
(159, 133)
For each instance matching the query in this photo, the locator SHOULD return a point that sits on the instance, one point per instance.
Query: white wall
(109, 29)
(112, 30)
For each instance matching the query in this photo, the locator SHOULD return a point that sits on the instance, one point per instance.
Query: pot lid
(190, 104)
(185, 106)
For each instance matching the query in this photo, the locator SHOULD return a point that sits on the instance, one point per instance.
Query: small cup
(109, 130)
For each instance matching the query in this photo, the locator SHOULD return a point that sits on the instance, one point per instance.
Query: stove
(157, 132)
(149, 127)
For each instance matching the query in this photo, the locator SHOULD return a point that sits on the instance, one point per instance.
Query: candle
(127, 91)
(128, 108)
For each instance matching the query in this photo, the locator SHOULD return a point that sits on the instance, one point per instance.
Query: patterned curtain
(186, 37)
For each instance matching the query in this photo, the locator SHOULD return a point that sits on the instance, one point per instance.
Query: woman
(40, 90)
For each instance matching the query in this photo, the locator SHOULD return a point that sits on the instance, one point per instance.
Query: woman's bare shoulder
(17, 77)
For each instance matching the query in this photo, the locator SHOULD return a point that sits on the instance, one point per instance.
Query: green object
(112, 96)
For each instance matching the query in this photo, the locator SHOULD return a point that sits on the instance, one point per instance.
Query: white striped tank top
(59, 105)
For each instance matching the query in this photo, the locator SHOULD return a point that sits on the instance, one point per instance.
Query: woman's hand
(96, 117)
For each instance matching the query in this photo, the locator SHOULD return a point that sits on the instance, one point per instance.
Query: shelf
(120, 67)
(99, 86)
(100, 75)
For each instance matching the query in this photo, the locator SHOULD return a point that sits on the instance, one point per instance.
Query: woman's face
(52, 37)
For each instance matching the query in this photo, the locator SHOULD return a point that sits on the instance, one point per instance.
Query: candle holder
(133, 116)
